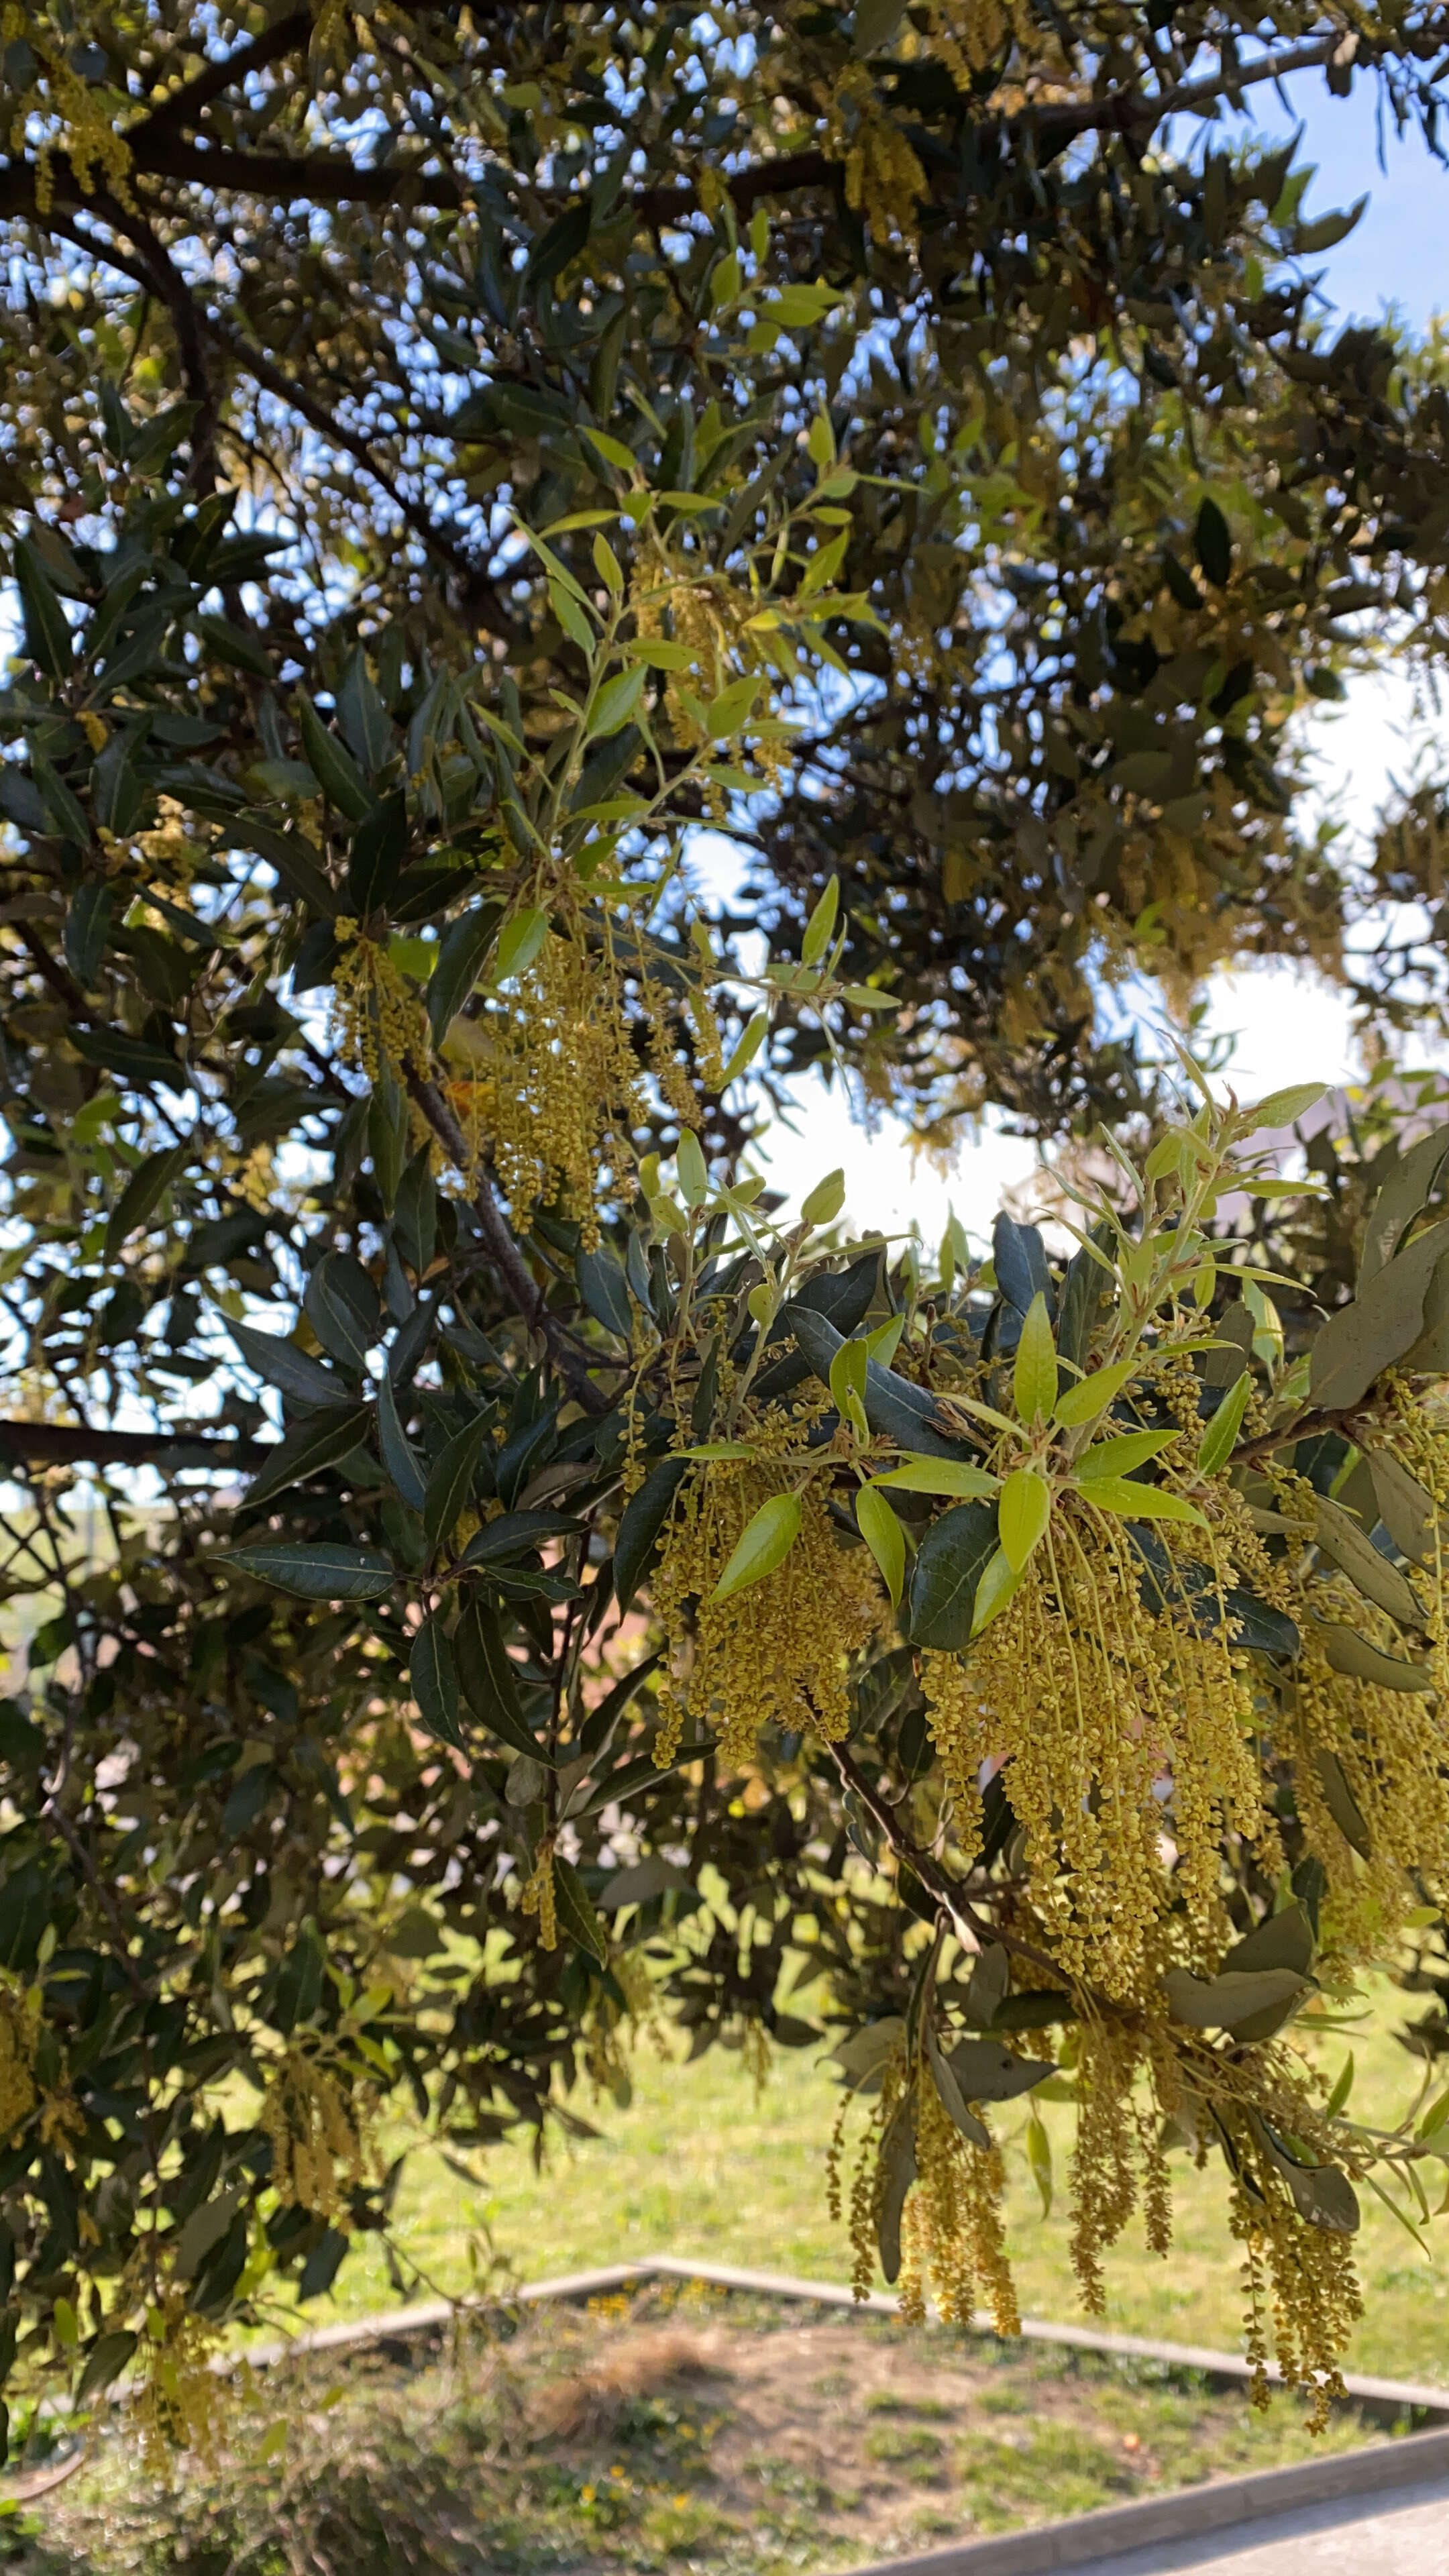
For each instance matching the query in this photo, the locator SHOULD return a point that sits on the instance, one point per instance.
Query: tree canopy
(448, 456)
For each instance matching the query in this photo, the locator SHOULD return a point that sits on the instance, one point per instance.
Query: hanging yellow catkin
(18, 2018)
(377, 1019)
(776, 1653)
(540, 1896)
(554, 1086)
(319, 2133)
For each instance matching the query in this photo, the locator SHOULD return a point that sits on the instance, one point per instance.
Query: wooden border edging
(1410, 2469)
(1377, 2396)
(1384, 2397)
(1405, 2467)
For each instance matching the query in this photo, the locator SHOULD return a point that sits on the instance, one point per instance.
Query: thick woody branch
(1307, 1425)
(160, 151)
(56, 1444)
(183, 106)
(188, 320)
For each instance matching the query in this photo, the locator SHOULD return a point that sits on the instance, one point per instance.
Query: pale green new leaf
(519, 944)
(941, 1476)
(998, 1582)
(825, 1201)
(1034, 1379)
(1023, 1513)
(763, 1544)
(1092, 1395)
(1118, 1456)
(1039, 2159)
(1216, 1446)
(1141, 1502)
(885, 1538)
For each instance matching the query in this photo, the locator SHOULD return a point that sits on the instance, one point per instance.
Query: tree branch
(1125, 111)
(184, 105)
(414, 515)
(503, 1251)
(188, 315)
(333, 178)
(188, 320)
(59, 978)
(54, 1815)
(56, 1444)
(937, 1882)
(289, 179)
(1307, 1425)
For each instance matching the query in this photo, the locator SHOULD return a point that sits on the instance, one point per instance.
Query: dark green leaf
(1256, 1624)
(143, 1194)
(461, 952)
(489, 1681)
(1366, 1337)
(245, 650)
(1086, 1287)
(558, 243)
(134, 1059)
(387, 1135)
(415, 1216)
(841, 1298)
(1212, 541)
(327, 1571)
(1349, 1652)
(1403, 1506)
(88, 921)
(515, 1534)
(295, 859)
(378, 856)
(1019, 1258)
(433, 1676)
(576, 1913)
(47, 629)
(105, 2361)
(1328, 231)
(987, 2072)
(314, 1445)
(1034, 2008)
(1223, 2002)
(600, 1723)
(605, 1290)
(952, 2099)
(950, 1562)
(396, 1449)
(893, 1407)
(278, 1360)
(640, 1525)
(1351, 1549)
(322, 2265)
(1407, 1190)
(898, 2172)
(451, 1481)
(1284, 1940)
(346, 1332)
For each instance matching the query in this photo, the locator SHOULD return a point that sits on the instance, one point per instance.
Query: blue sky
(1398, 255)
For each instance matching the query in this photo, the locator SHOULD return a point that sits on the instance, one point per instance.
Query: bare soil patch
(678, 2428)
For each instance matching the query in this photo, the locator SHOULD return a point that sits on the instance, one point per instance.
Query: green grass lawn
(699, 2166)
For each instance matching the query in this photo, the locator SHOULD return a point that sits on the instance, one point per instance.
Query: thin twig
(502, 1249)
(937, 1881)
